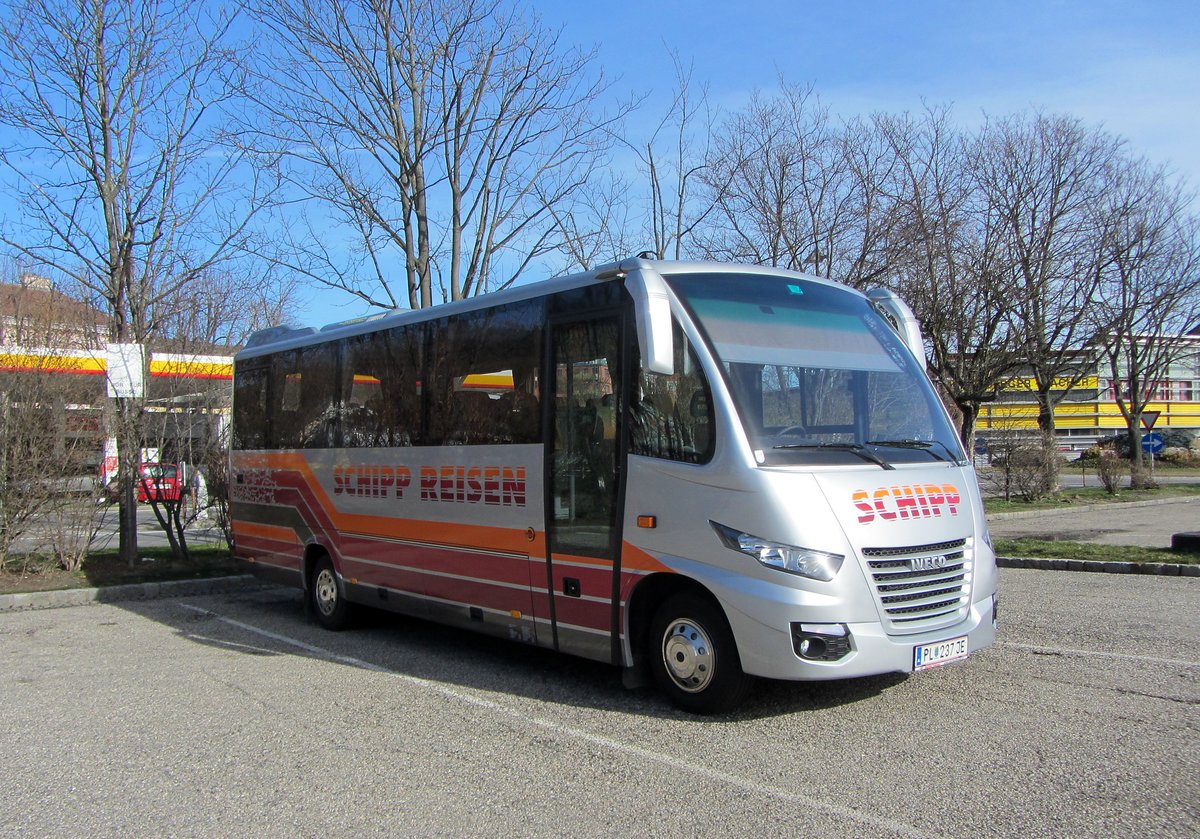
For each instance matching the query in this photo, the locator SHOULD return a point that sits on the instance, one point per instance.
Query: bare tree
(45, 433)
(187, 415)
(1044, 175)
(1150, 297)
(598, 225)
(187, 431)
(222, 307)
(126, 183)
(43, 463)
(442, 133)
(785, 193)
(945, 254)
(672, 163)
(879, 172)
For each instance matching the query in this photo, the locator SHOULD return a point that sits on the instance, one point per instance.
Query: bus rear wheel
(694, 658)
(326, 598)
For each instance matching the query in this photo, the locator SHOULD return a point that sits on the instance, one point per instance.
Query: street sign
(1152, 443)
(1149, 418)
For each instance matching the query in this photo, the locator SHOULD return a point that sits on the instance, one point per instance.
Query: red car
(160, 482)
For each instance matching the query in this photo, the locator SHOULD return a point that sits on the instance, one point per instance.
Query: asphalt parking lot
(1147, 524)
(233, 715)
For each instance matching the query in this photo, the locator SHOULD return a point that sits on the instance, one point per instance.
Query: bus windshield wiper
(924, 445)
(854, 448)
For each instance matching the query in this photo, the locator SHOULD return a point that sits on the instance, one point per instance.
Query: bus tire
(693, 657)
(326, 598)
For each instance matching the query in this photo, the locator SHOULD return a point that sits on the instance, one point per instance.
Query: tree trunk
(129, 465)
(1045, 412)
(968, 424)
(5, 422)
(1139, 473)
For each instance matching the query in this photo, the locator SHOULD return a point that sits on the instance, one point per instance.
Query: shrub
(1111, 469)
(1172, 438)
(1179, 456)
(1027, 468)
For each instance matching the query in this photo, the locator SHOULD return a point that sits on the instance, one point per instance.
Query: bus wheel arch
(680, 636)
(324, 596)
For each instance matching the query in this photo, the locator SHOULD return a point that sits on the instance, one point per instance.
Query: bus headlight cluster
(817, 565)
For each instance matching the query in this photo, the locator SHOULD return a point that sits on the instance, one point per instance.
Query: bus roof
(278, 338)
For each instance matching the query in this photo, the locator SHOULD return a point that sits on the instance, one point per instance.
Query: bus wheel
(694, 658)
(326, 598)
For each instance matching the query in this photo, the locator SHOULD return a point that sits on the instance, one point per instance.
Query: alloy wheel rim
(326, 589)
(688, 655)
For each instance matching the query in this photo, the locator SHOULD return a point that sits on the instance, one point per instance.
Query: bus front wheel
(694, 658)
(326, 598)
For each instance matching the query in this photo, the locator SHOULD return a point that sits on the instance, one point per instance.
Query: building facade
(1089, 411)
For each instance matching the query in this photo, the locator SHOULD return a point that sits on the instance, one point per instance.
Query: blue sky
(1131, 67)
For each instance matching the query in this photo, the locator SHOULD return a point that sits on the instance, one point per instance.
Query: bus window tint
(672, 415)
(483, 377)
(250, 406)
(304, 408)
(285, 400)
(814, 368)
(381, 383)
(318, 399)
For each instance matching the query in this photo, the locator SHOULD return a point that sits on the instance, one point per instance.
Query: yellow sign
(1060, 383)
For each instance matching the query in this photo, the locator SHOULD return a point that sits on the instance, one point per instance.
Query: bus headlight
(987, 537)
(817, 565)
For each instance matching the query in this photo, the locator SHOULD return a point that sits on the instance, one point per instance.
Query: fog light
(821, 641)
(812, 648)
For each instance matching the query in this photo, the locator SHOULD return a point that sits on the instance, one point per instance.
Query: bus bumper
(773, 651)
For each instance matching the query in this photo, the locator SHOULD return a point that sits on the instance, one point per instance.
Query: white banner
(126, 371)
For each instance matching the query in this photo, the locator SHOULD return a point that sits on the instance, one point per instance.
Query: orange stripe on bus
(636, 559)
(512, 540)
(266, 531)
(471, 536)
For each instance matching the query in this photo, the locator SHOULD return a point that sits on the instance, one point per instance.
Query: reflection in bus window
(250, 407)
(672, 415)
(304, 409)
(483, 377)
(381, 383)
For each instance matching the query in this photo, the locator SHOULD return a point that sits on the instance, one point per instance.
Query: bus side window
(250, 406)
(672, 415)
(317, 416)
(381, 389)
(483, 377)
(285, 400)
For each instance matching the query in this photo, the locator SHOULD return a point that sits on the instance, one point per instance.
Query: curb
(25, 601)
(1161, 569)
(1089, 508)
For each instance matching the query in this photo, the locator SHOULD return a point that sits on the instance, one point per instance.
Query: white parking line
(1034, 648)
(805, 801)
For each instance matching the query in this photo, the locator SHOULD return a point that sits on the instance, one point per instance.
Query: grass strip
(1079, 496)
(105, 568)
(1088, 551)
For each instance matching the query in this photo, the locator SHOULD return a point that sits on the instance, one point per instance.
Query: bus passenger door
(584, 466)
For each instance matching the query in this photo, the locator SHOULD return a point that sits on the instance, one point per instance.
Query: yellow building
(1090, 412)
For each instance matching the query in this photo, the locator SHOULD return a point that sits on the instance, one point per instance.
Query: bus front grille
(921, 587)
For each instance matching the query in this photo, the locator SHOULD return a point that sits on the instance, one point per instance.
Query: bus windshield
(818, 375)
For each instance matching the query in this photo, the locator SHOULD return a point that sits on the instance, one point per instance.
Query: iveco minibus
(700, 472)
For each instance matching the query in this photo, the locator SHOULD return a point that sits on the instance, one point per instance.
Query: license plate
(938, 653)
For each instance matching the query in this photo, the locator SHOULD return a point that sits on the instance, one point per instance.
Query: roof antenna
(647, 255)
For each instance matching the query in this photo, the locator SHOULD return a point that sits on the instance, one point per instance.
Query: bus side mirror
(902, 320)
(652, 309)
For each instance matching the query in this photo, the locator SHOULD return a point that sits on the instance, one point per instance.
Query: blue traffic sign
(1152, 443)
